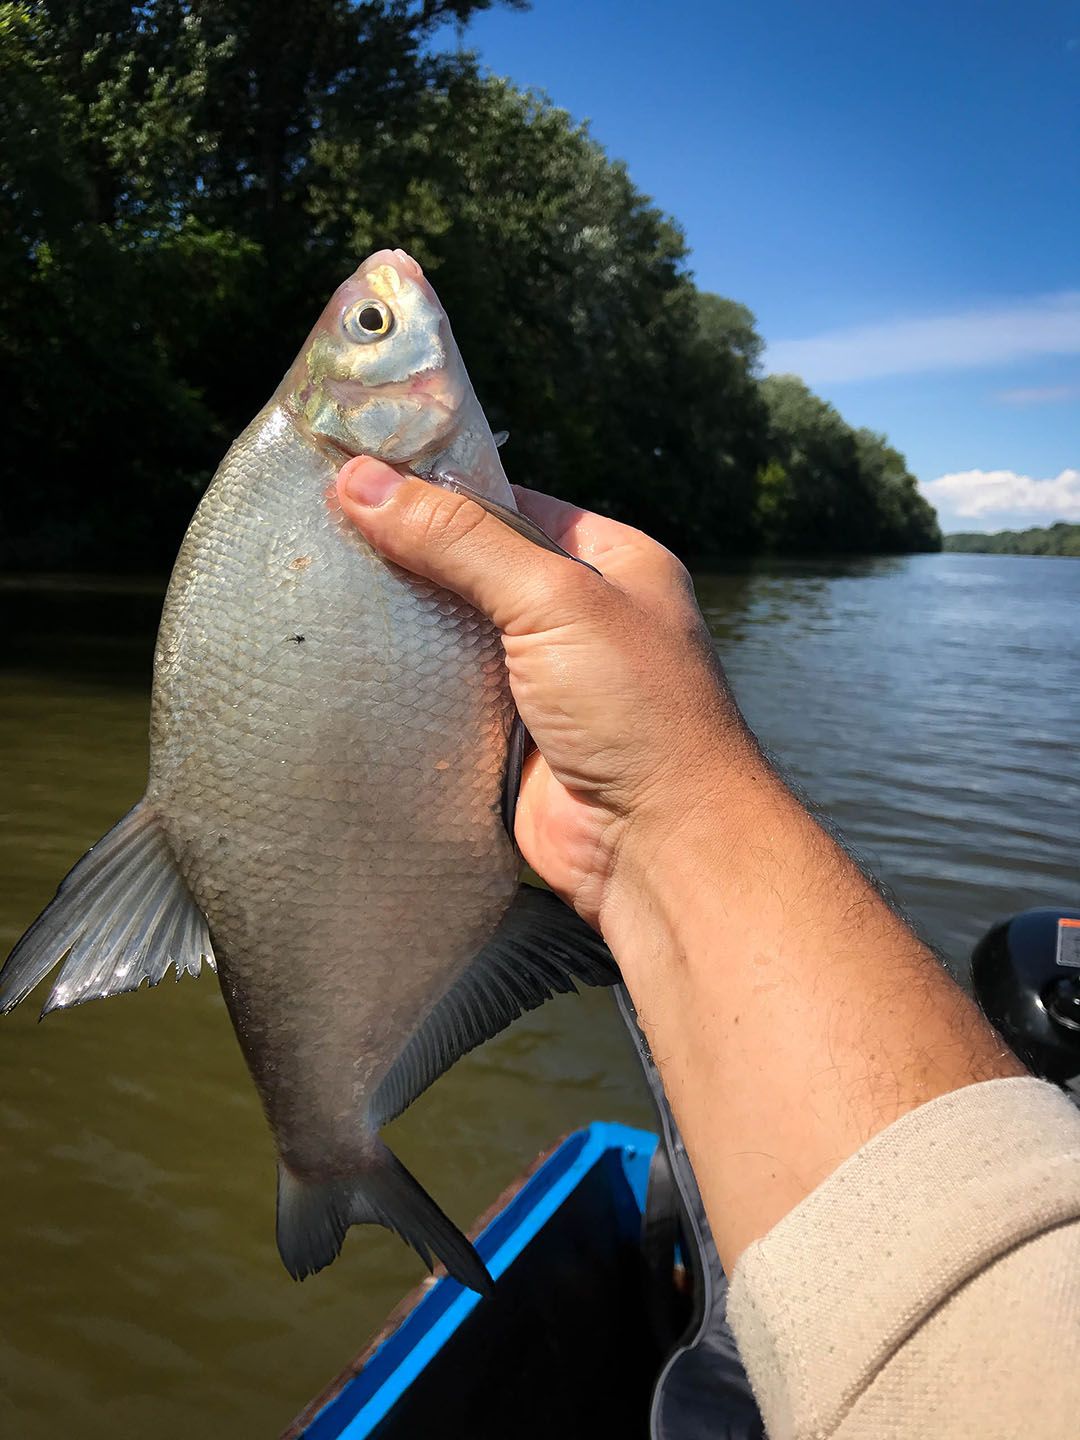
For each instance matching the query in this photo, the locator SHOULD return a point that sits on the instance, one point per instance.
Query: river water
(930, 704)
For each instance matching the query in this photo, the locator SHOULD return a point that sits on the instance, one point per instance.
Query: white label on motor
(1068, 944)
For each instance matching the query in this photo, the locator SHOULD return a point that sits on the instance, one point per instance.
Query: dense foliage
(826, 486)
(182, 184)
(1059, 539)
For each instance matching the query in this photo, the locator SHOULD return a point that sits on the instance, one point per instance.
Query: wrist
(669, 852)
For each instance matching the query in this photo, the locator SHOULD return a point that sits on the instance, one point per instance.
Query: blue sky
(893, 189)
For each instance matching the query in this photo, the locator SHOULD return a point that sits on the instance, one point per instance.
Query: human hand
(614, 674)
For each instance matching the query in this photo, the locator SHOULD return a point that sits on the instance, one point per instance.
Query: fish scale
(318, 771)
(330, 779)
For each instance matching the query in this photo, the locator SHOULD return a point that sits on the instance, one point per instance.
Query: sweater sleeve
(930, 1287)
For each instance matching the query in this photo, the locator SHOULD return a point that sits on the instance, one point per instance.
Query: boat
(573, 1302)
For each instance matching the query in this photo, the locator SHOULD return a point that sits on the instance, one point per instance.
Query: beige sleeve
(930, 1287)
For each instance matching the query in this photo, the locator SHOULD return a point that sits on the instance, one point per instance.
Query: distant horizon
(1009, 529)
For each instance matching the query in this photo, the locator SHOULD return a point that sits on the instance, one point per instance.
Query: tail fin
(313, 1216)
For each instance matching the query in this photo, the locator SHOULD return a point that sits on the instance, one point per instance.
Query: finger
(450, 539)
(627, 557)
(582, 532)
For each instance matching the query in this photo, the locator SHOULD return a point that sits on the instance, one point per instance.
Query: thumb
(450, 539)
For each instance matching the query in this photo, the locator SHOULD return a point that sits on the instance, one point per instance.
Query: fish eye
(368, 320)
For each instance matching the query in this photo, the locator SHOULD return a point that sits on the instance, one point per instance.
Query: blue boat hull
(568, 1345)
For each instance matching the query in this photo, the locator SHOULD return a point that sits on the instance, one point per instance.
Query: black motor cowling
(1026, 976)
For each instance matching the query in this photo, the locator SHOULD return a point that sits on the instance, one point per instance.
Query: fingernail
(370, 482)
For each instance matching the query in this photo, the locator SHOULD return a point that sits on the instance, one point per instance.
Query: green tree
(94, 404)
(905, 520)
(828, 487)
(183, 182)
(1058, 539)
(726, 325)
(157, 254)
(825, 503)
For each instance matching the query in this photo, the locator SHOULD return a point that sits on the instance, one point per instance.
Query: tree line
(184, 182)
(1059, 539)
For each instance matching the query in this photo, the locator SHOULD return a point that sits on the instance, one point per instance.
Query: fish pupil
(371, 319)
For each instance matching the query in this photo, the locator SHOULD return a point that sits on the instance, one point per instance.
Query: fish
(334, 761)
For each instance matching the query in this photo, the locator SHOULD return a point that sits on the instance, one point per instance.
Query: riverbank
(1061, 539)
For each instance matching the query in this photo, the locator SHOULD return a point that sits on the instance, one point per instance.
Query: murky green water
(929, 704)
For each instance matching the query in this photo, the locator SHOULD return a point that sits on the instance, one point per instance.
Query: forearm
(793, 1015)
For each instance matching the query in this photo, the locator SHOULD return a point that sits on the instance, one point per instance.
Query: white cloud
(1011, 501)
(1044, 325)
(1039, 395)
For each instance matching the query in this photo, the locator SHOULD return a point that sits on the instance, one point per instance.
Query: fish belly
(328, 748)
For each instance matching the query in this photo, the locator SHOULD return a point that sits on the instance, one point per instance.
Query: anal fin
(121, 916)
(540, 949)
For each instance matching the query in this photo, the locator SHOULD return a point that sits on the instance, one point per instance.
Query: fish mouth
(427, 391)
(421, 385)
(399, 260)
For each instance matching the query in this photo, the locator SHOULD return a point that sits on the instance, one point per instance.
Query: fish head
(381, 374)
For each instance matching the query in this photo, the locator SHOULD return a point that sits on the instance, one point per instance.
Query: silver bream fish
(333, 768)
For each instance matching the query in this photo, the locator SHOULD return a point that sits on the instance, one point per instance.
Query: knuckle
(641, 540)
(443, 520)
(670, 566)
(672, 575)
(661, 561)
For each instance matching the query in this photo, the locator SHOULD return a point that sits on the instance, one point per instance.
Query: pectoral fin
(121, 916)
(517, 749)
(540, 949)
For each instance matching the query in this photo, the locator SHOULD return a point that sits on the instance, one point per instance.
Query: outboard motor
(1026, 976)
